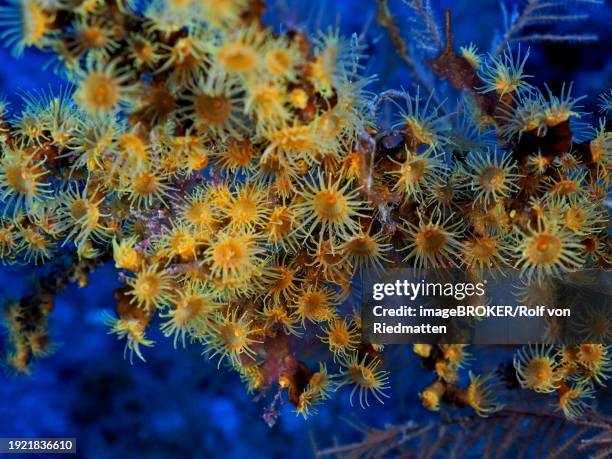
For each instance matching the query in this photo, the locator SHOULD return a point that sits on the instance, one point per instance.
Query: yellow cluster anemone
(242, 181)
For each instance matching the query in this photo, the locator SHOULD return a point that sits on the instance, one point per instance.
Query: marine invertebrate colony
(240, 179)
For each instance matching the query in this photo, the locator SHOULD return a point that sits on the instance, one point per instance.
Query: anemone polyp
(547, 250)
(231, 338)
(470, 54)
(23, 180)
(315, 304)
(281, 225)
(281, 59)
(147, 187)
(424, 123)
(505, 74)
(151, 288)
(221, 13)
(417, 173)
(364, 250)
(181, 241)
(266, 101)
(433, 242)
(537, 368)
(102, 86)
(81, 215)
(240, 53)
(215, 106)
(342, 336)
(573, 399)
(561, 107)
(524, 112)
(93, 36)
(480, 395)
(234, 256)
(26, 24)
(492, 176)
(366, 377)
(485, 252)
(125, 255)
(247, 207)
(143, 50)
(35, 246)
(196, 209)
(293, 142)
(132, 329)
(184, 60)
(236, 154)
(331, 207)
(284, 284)
(190, 315)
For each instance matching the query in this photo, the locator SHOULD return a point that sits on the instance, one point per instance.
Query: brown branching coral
(510, 433)
(26, 319)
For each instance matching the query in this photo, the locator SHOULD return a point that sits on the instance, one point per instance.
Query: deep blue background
(177, 404)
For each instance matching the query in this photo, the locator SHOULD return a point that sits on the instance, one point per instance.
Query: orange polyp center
(280, 221)
(181, 50)
(183, 244)
(284, 281)
(484, 248)
(240, 152)
(36, 23)
(101, 91)
(363, 246)
(278, 61)
(575, 218)
(233, 335)
(128, 258)
(199, 213)
(229, 254)
(313, 302)
(19, 179)
(238, 57)
(492, 178)
(590, 353)
(188, 308)
(197, 160)
(330, 205)
(244, 210)
(94, 37)
(504, 83)
(132, 144)
(431, 240)
(215, 110)
(79, 209)
(565, 187)
(420, 131)
(544, 249)
(538, 372)
(362, 376)
(568, 162)
(143, 49)
(148, 287)
(145, 184)
(181, 3)
(339, 336)
(557, 115)
(34, 239)
(414, 171)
